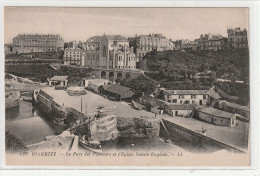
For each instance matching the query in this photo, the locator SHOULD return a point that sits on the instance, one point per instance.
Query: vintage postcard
(93, 86)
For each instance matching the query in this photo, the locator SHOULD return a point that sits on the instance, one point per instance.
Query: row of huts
(204, 105)
(111, 91)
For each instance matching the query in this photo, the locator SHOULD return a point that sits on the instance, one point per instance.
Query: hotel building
(237, 38)
(27, 43)
(147, 43)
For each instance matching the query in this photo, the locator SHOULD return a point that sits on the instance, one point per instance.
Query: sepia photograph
(140, 86)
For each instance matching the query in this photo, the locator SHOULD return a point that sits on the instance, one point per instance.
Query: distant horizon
(78, 24)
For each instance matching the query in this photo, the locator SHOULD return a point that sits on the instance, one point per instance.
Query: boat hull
(89, 148)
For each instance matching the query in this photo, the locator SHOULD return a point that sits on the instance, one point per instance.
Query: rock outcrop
(138, 127)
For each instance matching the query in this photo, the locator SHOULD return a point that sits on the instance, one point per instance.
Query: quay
(224, 137)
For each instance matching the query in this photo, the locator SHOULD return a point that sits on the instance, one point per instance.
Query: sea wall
(138, 127)
(54, 112)
(184, 136)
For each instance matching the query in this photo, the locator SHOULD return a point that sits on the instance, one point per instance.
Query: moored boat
(94, 146)
(137, 106)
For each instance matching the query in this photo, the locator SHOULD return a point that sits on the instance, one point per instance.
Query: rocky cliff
(138, 127)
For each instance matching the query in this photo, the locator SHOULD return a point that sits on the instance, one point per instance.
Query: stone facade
(109, 52)
(187, 44)
(211, 42)
(181, 110)
(26, 43)
(73, 56)
(123, 58)
(147, 43)
(237, 38)
(196, 97)
(216, 44)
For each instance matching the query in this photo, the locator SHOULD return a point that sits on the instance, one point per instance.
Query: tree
(71, 119)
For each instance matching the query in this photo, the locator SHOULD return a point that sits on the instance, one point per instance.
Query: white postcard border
(254, 67)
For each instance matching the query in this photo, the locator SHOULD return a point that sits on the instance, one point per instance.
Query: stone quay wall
(179, 134)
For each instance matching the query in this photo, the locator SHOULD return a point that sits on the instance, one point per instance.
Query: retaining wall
(181, 135)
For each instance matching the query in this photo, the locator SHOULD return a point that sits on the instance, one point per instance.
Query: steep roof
(186, 92)
(213, 94)
(215, 112)
(116, 37)
(224, 95)
(118, 89)
(105, 86)
(59, 78)
(237, 106)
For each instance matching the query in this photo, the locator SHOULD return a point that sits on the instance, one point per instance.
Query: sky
(82, 23)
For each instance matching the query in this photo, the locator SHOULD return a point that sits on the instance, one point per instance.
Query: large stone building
(147, 43)
(237, 38)
(211, 42)
(26, 43)
(73, 56)
(187, 44)
(109, 52)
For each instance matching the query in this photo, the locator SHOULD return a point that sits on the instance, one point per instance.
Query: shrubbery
(40, 73)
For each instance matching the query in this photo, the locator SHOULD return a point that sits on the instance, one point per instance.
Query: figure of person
(203, 131)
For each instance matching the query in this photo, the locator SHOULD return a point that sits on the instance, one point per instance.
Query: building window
(187, 102)
(174, 100)
(204, 97)
(193, 96)
(169, 101)
(181, 96)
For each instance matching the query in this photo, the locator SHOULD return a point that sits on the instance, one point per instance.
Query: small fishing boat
(94, 146)
(137, 106)
(108, 109)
